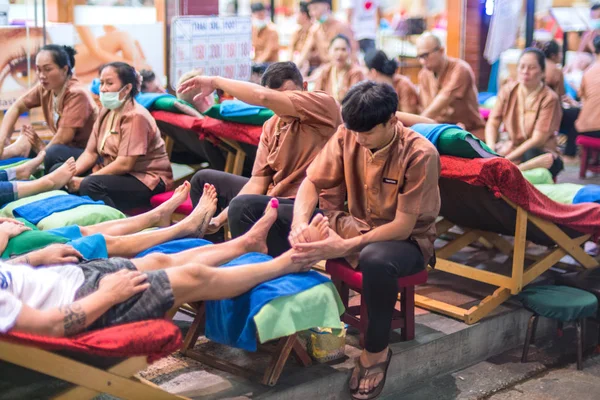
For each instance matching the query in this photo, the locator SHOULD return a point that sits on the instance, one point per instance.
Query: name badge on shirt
(390, 181)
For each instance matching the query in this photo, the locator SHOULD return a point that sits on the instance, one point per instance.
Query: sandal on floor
(364, 372)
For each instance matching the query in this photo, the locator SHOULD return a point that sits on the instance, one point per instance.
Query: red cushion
(587, 141)
(232, 130)
(340, 269)
(153, 338)
(185, 208)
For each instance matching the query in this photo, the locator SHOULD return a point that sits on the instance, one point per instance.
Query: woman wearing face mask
(531, 114)
(383, 70)
(125, 154)
(339, 75)
(265, 38)
(69, 110)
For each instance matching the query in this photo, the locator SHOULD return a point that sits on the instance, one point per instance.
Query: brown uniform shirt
(542, 114)
(298, 39)
(288, 145)
(458, 81)
(75, 109)
(401, 177)
(327, 80)
(266, 43)
(132, 132)
(408, 98)
(589, 117)
(330, 29)
(555, 78)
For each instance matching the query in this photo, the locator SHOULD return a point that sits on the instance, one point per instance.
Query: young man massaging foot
(68, 299)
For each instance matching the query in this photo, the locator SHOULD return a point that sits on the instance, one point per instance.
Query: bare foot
(37, 144)
(62, 175)
(166, 209)
(318, 229)
(361, 388)
(198, 220)
(24, 171)
(256, 238)
(22, 146)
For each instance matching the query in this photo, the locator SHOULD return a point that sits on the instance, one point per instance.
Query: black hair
(595, 6)
(596, 43)
(147, 76)
(304, 8)
(320, 1)
(340, 36)
(62, 56)
(551, 49)
(279, 72)
(541, 59)
(379, 61)
(127, 74)
(368, 104)
(256, 7)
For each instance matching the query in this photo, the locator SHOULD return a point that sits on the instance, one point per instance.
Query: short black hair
(551, 48)
(595, 6)
(126, 73)
(379, 61)
(147, 76)
(62, 56)
(279, 72)
(597, 45)
(304, 8)
(343, 37)
(320, 1)
(368, 104)
(256, 7)
(539, 55)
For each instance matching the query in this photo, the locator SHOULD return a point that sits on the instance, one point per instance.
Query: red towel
(154, 338)
(502, 177)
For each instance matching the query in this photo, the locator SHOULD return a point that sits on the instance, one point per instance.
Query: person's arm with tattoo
(74, 318)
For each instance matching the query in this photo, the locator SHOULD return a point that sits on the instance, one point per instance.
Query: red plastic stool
(590, 150)
(181, 212)
(344, 278)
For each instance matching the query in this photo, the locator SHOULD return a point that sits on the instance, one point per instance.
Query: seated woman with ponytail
(338, 76)
(125, 154)
(383, 70)
(69, 110)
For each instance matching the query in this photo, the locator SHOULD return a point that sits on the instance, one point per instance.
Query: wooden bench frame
(520, 276)
(280, 351)
(119, 380)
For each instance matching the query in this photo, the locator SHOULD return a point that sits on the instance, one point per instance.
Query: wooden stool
(345, 278)
(590, 150)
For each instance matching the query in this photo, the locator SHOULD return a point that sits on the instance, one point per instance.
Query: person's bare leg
(36, 142)
(542, 161)
(194, 224)
(53, 181)
(158, 217)
(25, 170)
(20, 148)
(255, 240)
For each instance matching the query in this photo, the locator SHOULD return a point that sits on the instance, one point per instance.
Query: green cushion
(30, 241)
(257, 119)
(167, 103)
(460, 143)
(490, 103)
(319, 306)
(85, 215)
(7, 166)
(562, 303)
(560, 192)
(538, 176)
(7, 210)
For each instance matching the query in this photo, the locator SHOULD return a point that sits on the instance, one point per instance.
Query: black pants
(567, 126)
(124, 192)
(556, 167)
(366, 45)
(227, 186)
(381, 263)
(58, 154)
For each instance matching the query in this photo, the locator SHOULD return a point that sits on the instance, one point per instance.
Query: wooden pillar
(472, 36)
(456, 23)
(61, 10)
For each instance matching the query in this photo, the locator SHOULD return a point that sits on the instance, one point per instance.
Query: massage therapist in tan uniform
(125, 154)
(265, 38)
(69, 110)
(447, 87)
(391, 174)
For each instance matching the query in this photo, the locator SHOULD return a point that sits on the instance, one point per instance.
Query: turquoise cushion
(562, 303)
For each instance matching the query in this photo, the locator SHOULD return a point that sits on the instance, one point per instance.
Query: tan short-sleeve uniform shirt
(337, 83)
(458, 81)
(73, 108)
(555, 78)
(408, 98)
(331, 28)
(266, 43)
(401, 177)
(132, 132)
(589, 117)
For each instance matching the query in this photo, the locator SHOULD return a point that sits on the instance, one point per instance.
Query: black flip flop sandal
(363, 373)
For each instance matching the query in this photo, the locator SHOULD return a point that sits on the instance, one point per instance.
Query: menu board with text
(216, 45)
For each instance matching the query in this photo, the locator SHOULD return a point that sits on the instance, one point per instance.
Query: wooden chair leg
(280, 356)
(195, 329)
(583, 162)
(528, 337)
(407, 306)
(578, 327)
(533, 331)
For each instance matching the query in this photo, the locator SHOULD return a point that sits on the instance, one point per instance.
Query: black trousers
(58, 154)
(557, 166)
(567, 126)
(227, 186)
(381, 263)
(124, 192)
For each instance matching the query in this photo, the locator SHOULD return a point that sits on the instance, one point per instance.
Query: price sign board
(216, 45)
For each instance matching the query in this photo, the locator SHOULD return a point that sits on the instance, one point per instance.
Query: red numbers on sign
(245, 49)
(229, 71)
(214, 51)
(199, 52)
(230, 50)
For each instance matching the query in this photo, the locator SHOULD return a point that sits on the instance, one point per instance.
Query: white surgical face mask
(111, 100)
(259, 23)
(595, 23)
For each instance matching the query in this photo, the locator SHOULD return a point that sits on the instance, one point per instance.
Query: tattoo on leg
(74, 318)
